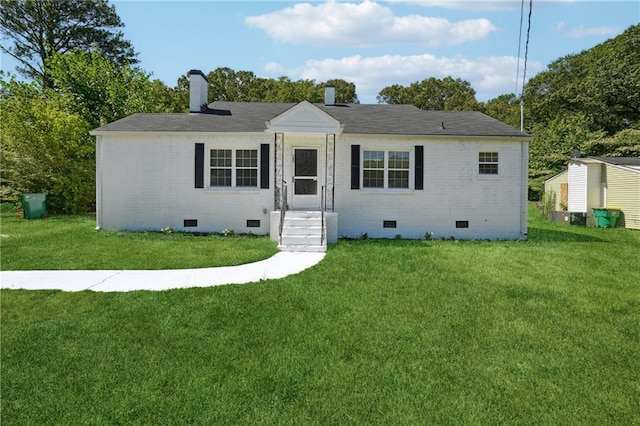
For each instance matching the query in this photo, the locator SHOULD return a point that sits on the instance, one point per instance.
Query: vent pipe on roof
(198, 91)
(329, 95)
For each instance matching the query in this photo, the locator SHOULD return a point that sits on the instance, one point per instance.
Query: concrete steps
(302, 232)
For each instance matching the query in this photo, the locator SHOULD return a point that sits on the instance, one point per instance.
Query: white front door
(306, 185)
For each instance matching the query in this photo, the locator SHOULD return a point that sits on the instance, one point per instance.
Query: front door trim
(305, 166)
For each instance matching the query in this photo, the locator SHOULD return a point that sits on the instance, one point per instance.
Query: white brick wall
(147, 183)
(453, 191)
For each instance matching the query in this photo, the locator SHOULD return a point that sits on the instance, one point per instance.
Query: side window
(488, 163)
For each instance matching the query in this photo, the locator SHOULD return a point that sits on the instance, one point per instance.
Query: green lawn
(71, 242)
(380, 332)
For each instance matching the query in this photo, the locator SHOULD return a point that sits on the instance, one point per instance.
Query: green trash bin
(34, 206)
(606, 217)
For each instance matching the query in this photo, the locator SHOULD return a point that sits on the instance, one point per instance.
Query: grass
(71, 242)
(380, 332)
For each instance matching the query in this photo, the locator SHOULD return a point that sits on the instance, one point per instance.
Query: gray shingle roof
(356, 118)
(620, 161)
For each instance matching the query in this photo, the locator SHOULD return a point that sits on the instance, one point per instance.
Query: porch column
(279, 159)
(330, 163)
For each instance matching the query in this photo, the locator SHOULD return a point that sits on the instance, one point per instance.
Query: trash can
(34, 206)
(606, 217)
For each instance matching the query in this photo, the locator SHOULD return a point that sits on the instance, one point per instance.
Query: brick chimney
(329, 95)
(198, 91)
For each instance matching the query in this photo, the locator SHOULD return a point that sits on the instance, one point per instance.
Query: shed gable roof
(627, 163)
(620, 161)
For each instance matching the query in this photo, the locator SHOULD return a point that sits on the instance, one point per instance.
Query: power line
(526, 54)
(519, 46)
(526, 48)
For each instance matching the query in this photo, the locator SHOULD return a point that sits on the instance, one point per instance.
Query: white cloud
(582, 31)
(470, 5)
(364, 24)
(482, 5)
(274, 68)
(489, 76)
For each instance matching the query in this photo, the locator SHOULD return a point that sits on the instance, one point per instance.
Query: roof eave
(167, 133)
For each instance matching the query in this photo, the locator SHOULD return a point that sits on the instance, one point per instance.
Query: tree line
(84, 75)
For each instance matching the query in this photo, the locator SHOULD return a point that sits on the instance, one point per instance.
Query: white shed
(606, 182)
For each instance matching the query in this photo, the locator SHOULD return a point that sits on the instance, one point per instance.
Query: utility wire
(526, 53)
(526, 49)
(519, 46)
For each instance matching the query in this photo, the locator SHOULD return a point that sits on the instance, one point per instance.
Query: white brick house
(383, 170)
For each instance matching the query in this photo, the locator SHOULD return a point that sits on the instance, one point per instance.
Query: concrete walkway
(278, 266)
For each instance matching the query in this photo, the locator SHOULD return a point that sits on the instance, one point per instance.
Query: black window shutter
(199, 166)
(264, 166)
(355, 166)
(419, 170)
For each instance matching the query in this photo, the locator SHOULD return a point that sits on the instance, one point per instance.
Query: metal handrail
(283, 209)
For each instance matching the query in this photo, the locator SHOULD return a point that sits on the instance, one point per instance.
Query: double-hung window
(373, 169)
(221, 167)
(398, 169)
(234, 168)
(488, 163)
(385, 169)
(247, 167)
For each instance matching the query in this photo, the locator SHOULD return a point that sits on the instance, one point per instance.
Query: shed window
(488, 163)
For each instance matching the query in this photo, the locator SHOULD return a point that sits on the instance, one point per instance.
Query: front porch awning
(304, 118)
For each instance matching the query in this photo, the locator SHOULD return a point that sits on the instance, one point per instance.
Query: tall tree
(37, 29)
(505, 108)
(553, 144)
(46, 146)
(226, 84)
(345, 91)
(603, 83)
(447, 94)
(98, 89)
(625, 143)
(45, 149)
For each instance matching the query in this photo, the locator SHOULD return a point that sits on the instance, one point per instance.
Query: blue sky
(373, 44)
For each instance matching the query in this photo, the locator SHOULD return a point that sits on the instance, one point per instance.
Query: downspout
(98, 183)
(333, 175)
(524, 198)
